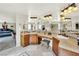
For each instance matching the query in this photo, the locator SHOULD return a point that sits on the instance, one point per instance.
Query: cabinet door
(25, 40)
(33, 39)
(55, 46)
(39, 39)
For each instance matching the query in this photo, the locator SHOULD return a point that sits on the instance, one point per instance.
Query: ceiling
(32, 9)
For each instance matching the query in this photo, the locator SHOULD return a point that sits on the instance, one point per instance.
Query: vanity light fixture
(33, 17)
(62, 17)
(68, 10)
(48, 16)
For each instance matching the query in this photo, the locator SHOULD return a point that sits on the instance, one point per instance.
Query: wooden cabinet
(33, 39)
(25, 40)
(55, 46)
(39, 39)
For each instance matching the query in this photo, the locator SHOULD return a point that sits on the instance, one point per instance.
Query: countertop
(70, 44)
(65, 42)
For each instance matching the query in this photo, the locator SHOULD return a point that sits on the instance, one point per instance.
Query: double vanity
(61, 45)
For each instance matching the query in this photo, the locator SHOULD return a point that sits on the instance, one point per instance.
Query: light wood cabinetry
(25, 40)
(33, 39)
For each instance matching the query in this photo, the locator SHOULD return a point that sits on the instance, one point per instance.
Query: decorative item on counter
(78, 40)
(43, 27)
(49, 33)
(24, 26)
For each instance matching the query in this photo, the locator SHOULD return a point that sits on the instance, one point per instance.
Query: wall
(16, 20)
(71, 24)
(9, 19)
(20, 20)
(75, 20)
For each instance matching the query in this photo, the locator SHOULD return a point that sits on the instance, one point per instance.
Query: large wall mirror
(77, 25)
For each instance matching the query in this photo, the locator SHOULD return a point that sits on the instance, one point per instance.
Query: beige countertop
(70, 44)
(65, 42)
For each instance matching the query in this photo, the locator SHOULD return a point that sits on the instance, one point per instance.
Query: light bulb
(69, 11)
(50, 17)
(44, 18)
(62, 13)
(62, 18)
(75, 8)
(70, 8)
(47, 17)
(65, 11)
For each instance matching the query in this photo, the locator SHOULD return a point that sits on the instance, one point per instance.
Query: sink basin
(62, 37)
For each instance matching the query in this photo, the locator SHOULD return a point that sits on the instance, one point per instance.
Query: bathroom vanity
(61, 46)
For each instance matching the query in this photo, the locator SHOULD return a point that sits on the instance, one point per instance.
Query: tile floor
(31, 50)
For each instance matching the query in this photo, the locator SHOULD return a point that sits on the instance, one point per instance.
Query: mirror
(77, 25)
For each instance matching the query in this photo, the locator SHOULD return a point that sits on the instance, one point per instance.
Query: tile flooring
(31, 50)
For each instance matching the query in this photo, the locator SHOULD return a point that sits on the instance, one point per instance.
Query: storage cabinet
(39, 39)
(55, 46)
(25, 40)
(33, 39)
